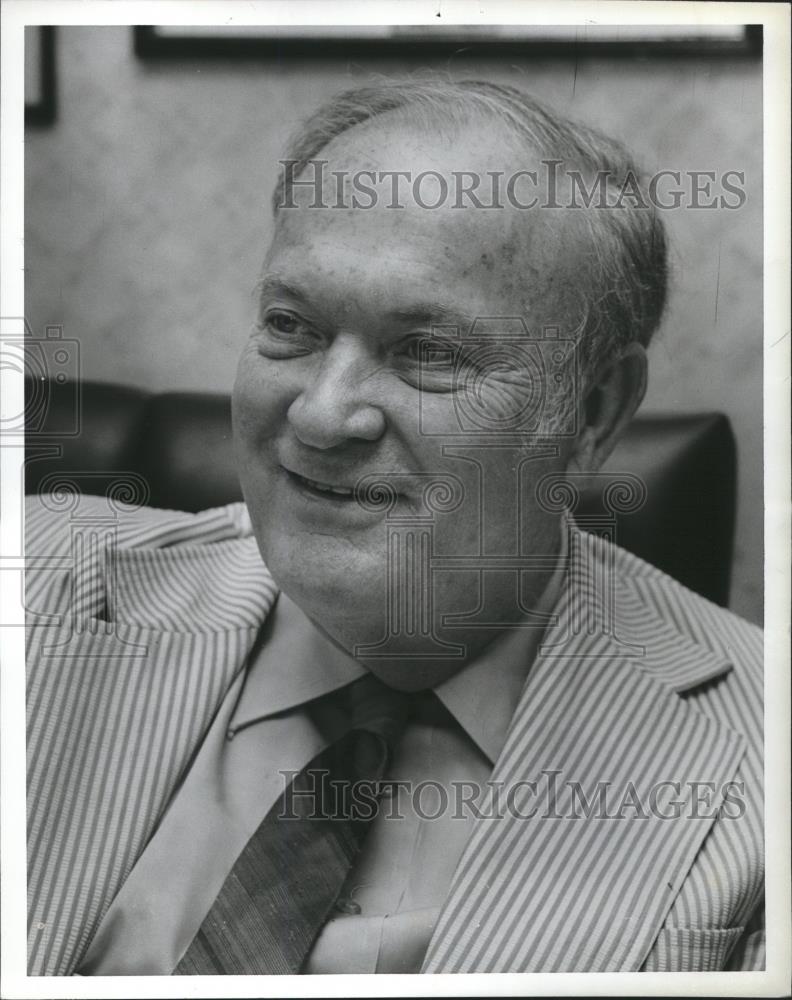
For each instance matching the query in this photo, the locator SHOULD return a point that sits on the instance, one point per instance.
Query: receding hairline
(442, 102)
(628, 286)
(472, 133)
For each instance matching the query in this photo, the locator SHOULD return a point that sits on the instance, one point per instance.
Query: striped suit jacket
(139, 619)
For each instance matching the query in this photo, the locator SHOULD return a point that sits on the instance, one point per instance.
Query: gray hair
(630, 243)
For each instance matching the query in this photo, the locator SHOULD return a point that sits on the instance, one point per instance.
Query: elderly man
(396, 713)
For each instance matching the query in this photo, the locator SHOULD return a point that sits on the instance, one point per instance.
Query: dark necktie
(289, 876)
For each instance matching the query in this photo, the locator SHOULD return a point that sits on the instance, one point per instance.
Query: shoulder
(716, 657)
(72, 539)
(52, 520)
(689, 613)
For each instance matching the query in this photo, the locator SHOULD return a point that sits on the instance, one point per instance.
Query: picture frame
(163, 42)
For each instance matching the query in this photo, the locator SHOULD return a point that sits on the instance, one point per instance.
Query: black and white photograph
(396, 514)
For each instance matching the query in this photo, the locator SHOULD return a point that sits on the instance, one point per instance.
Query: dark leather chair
(180, 444)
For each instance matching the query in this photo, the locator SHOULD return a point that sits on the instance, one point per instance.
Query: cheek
(511, 399)
(260, 400)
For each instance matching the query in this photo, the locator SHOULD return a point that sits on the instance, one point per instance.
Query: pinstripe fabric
(678, 949)
(725, 887)
(570, 894)
(639, 681)
(116, 709)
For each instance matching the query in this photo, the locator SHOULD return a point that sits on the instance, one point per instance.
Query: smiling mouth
(326, 491)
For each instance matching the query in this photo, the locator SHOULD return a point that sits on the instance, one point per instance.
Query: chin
(339, 586)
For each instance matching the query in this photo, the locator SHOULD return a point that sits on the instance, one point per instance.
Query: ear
(608, 408)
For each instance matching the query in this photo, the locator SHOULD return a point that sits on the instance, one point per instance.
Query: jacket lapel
(120, 695)
(594, 816)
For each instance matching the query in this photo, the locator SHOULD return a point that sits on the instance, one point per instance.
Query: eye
(428, 363)
(429, 352)
(283, 322)
(282, 334)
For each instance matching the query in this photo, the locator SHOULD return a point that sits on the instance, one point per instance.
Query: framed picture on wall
(206, 41)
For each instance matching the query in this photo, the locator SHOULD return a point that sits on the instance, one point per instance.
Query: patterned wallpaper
(147, 215)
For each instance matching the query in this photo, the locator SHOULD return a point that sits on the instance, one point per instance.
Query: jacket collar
(671, 658)
(611, 595)
(195, 589)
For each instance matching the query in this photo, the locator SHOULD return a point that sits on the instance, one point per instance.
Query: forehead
(510, 258)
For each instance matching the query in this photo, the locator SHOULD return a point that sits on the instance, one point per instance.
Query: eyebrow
(434, 313)
(273, 284)
(431, 312)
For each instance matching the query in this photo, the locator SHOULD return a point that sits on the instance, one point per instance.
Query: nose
(335, 406)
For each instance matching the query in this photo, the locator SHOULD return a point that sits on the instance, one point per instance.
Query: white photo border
(776, 109)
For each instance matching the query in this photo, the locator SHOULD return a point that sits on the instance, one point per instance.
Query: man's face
(334, 389)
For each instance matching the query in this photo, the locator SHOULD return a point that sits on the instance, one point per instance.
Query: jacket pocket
(691, 949)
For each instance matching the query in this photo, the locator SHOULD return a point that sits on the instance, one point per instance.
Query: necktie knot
(376, 708)
(375, 716)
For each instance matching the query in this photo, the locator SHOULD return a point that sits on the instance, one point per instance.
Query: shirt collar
(293, 662)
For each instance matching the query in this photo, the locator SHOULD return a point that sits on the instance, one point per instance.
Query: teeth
(324, 488)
